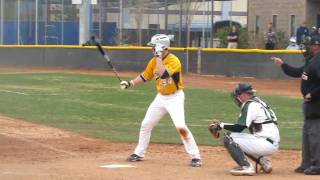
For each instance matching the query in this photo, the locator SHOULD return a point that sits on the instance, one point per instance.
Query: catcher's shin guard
(235, 151)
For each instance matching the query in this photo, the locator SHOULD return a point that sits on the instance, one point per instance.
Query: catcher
(263, 139)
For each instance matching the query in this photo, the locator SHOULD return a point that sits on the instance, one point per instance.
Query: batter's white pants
(254, 146)
(174, 105)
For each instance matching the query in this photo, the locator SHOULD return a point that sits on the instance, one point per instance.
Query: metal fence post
(187, 60)
(199, 57)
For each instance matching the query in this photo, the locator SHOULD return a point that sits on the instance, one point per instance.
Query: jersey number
(165, 82)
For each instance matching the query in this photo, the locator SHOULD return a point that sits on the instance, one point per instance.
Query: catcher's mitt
(214, 128)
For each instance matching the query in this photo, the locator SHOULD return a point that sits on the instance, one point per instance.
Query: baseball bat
(106, 57)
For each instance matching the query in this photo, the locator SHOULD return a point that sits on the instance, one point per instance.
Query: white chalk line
(26, 94)
(115, 166)
(13, 92)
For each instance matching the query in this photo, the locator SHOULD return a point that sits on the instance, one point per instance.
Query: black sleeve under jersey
(292, 71)
(234, 127)
(165, 74)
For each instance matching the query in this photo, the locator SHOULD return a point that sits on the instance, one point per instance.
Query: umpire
(310, 89)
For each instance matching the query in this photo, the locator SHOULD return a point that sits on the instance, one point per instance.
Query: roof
(199, 26)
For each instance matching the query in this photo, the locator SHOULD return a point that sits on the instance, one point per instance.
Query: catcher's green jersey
(257, 111)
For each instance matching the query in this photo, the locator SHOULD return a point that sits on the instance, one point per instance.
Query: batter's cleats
(266, 165)
(134, 158)
(196, 162)
(243, 171)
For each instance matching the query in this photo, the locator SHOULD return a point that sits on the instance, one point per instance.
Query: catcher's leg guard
(235, 151)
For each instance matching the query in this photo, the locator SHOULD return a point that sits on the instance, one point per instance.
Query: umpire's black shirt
(310, 83)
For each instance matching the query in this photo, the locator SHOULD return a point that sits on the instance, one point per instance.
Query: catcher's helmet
(160, 39)
(244, 87)
(241, 88)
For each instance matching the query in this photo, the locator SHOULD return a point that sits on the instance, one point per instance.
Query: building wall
(146, 19)
(283, 9)
(313, 8)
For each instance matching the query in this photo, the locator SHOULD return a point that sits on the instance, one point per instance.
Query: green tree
(282, 40)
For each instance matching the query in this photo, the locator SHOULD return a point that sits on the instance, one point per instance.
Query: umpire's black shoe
(312, 170)
(196, 162)
(300, 169)
(134, 158)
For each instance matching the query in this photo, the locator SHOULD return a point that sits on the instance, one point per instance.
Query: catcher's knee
(227, 139)
(235, 151)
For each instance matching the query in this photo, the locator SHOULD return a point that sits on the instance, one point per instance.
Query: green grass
(95, 105)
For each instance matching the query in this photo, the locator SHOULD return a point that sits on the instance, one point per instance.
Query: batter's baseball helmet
(160, 39)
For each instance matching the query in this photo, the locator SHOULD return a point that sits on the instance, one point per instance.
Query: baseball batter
(165, 68)
(263, 139)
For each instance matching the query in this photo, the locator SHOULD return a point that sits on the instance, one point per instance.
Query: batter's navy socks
(196, 162)
(134, 158)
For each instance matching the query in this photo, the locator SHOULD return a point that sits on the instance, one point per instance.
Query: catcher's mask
(239, 89)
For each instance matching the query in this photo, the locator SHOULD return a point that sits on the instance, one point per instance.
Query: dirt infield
(31, 151)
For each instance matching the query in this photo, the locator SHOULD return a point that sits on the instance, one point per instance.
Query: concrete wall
(256, 65)
(313, 9)
(209, 62)
(265, 9)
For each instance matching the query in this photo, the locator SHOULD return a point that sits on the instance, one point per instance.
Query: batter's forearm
(137, 81)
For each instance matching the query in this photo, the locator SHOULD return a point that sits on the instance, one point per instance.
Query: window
(257, 28)
(292, 25)
(274, 22)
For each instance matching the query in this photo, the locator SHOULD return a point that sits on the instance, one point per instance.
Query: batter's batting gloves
(126, 84)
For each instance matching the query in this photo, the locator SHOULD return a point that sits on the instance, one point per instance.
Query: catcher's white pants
(253, 145)
(174, 105)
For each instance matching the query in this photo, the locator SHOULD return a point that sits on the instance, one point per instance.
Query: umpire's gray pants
(310, 142)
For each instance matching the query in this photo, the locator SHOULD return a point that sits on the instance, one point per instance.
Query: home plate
(114, 166)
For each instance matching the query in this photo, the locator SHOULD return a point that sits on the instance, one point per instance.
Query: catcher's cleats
(243, 171)
(214, 128)
(266, 165)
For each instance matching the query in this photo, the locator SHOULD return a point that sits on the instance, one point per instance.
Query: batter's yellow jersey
(170, 84)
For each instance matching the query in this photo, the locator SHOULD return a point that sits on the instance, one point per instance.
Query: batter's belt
(168, 94)
(270, 140)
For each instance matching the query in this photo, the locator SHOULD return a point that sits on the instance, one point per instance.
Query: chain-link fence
(113, 22)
